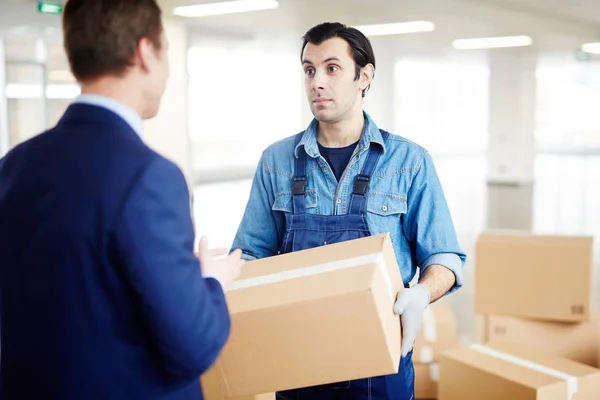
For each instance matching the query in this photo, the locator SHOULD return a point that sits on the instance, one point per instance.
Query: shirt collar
(131, 117)
(370, 134)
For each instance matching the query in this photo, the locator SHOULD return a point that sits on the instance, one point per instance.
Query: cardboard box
(438, 333)
(426, 378)
(535, 276)
(505, 371)
(480, 334)
(312, 317)
(578, 342)
(214, 388)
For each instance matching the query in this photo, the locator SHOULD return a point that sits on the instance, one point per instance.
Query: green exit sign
(49, 8)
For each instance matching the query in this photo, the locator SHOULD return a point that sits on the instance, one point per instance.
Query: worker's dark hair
(360, 46)
(101, 36)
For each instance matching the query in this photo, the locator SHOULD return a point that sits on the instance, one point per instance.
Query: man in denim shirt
(343, 178)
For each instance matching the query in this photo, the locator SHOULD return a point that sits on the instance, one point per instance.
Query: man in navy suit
(101, 294)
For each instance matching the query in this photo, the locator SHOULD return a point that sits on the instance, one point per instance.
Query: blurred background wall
(513, 124)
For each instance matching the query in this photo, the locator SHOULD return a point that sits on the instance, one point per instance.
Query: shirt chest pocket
(284, 202)
(385, 212)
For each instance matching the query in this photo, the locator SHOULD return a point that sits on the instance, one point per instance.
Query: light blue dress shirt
(131, 117)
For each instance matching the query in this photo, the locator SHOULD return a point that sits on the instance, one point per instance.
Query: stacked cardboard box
(536, 290)
(426, 381)
(438, 334)
(534, 324)
(540, 277)
(506, 371)
(575, 341)
(326, 314)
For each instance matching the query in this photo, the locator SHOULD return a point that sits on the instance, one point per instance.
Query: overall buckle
(361, 184)
(299, 185)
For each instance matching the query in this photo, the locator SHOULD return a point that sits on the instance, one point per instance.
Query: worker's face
(332, 90)
(155, 67)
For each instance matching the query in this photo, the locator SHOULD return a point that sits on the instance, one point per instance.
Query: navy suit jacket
(101, 296)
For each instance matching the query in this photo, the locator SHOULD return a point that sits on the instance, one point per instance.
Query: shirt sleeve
(261, 230)
(428, 224)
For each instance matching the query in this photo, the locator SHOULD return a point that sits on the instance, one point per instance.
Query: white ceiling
(548, 20)
(576, 10)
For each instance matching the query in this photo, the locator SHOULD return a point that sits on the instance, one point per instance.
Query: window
(442, 104)
(39, 87)
(567, 104)
(241, 99)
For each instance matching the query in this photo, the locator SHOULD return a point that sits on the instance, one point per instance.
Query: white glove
(410, 305)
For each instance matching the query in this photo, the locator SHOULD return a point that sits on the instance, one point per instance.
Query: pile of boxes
(537, 336)
(438, 334)
(325, 315)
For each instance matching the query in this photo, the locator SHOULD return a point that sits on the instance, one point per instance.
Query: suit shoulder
(20, 149)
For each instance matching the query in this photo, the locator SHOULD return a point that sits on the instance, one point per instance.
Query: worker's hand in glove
(410, 305)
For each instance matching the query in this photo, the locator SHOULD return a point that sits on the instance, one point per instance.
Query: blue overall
(305, 231)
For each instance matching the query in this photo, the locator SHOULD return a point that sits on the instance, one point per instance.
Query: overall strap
(299, 180)
(358, 200)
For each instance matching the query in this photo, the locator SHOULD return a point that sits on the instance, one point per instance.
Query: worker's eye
(309, 71)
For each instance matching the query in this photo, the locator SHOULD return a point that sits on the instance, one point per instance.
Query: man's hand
(410, 305)
(225, 270)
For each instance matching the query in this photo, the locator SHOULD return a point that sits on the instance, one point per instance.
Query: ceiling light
(592, 48)
(492, 42)
(225, 7)
(396, 28)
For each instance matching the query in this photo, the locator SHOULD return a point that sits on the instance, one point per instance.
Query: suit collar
(87, 113)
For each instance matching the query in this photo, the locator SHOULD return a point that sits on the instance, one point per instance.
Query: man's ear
(367, 73)
(145, 53)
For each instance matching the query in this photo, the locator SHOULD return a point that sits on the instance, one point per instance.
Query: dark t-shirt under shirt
(337, 158)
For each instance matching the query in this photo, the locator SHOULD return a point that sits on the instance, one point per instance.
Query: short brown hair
(101, 36)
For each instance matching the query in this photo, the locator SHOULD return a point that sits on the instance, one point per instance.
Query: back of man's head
(101, 36)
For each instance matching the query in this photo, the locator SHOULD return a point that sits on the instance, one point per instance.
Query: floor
(565, 199)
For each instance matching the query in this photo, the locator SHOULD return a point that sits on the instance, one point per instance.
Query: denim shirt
(405, 198)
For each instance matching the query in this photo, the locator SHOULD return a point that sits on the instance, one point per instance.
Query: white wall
(167, 133)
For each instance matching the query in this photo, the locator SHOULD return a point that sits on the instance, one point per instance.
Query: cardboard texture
(578, 342)
(426, 378)
(534, 276)
(438, 333)
(311, 317)
(505, 371)
(480, 334)
(214, 387)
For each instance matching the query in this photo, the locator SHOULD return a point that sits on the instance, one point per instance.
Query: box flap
(512, 371)
(306, 258)
(524, 366)
(315, 273)
(296, 288)
(564, 365)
